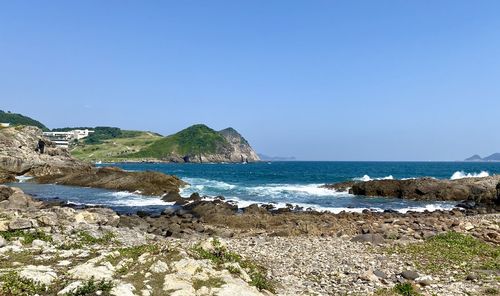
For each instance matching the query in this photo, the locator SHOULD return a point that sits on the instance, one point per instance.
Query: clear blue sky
(319, 80)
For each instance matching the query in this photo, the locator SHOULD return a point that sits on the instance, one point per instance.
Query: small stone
(425, 280)
(410, 275)
(159, 267)
(468, 226)
(380, 274)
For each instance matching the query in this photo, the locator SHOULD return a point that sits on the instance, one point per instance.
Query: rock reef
(480, 190)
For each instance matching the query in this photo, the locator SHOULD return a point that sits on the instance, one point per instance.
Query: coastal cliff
(18, 155)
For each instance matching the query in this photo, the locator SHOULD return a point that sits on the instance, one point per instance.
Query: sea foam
(367, 178)
(461, 175)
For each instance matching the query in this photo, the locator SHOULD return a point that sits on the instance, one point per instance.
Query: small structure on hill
(63, 139)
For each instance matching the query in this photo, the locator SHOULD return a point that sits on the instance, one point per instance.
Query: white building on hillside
(63, 139)
(4, 124)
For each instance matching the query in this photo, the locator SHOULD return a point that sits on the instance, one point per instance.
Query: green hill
(194, 140)
(18, 119)
(108, 144)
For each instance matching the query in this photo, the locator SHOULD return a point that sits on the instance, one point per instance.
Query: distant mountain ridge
(19, 119)
(492, 157)
(276, 158)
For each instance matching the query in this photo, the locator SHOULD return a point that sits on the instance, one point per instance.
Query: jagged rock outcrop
(482, 190)
(18, 155)
(241, 149)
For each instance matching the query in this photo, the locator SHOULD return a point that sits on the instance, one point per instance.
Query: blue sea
(279, 183)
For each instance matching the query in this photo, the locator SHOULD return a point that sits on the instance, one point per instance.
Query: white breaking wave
(367, 178)
(429, 207)
(280, 189)
(461, 175)
(124, 198)
(22, 179)
(200, 184)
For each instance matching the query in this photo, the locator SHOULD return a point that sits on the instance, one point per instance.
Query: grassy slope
(18, 119)
(196, 139)
(115, 149)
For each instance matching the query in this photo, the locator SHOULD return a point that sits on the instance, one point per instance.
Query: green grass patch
(211, 282)
(220, 255)
(87, 239)
(27, 236)
(452, 250)
(14, 285)
(91, 287)
(405, 289)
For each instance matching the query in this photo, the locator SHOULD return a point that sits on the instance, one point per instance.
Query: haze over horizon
(322, 80)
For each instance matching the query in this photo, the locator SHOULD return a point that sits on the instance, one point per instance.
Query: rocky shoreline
(212, 247)
(302, 253)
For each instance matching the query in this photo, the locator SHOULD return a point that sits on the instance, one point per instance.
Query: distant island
(264, 157)
(492, 157)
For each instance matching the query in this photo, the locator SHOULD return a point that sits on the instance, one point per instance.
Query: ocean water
(280, 183)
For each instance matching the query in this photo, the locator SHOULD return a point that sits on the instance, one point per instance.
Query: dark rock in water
(255, 210)
(172, 197)
(194, 196)
(148, 183)
(391, 211)
(481, 190)
(339, 187)
(374, 239)
(220, 197)
(468, 204)
(143, 214)
(410, 275)
(169, 211)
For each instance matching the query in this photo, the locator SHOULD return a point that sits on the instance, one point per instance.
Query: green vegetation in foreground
(27, 236)
(211, 282)
(88, 239)
(220, 255)
(404, 289)
(91, 287)
(194, 140)
(454, 251)
(18, 119)
(14, 285)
